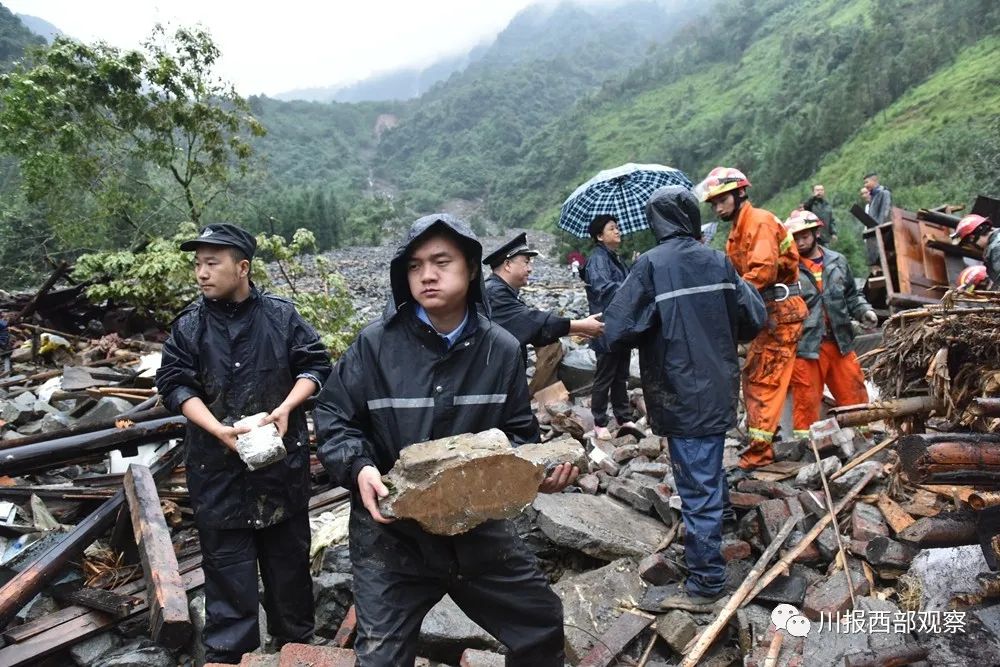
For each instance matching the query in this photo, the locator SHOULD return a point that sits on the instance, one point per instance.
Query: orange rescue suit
(764, 253)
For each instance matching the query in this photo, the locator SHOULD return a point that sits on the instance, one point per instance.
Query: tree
(120, 142)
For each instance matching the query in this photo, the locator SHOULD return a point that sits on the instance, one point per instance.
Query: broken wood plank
(896, 516)
(859, 415)
(76, 630)
(169, 620)
(621, 633)
(27, 583)
(980, 500)
(116, 604)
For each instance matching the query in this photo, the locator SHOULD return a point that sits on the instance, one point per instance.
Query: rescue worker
(972, 277)
(236, 352)
(431, 367)
(603, 273)
(511, 264)
(765, 256)
(825, 354)
(686, 307)
(975, 230)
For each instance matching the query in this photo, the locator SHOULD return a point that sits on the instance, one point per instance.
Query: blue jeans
(701, 484)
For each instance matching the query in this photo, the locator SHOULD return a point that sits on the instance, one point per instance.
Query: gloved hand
(870, 319)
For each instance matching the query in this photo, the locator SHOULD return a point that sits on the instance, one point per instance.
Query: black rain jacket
(398, 384)
(241, 360)
(603, 273)
(526, 324)
(686, 308)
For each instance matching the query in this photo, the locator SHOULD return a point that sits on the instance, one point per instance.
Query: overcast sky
(271, 47)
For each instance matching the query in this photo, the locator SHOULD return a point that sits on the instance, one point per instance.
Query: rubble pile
(950, 352)
(93, 501)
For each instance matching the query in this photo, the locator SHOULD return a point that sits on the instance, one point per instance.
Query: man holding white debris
(432, 367)
(233, 353)
(687, 308)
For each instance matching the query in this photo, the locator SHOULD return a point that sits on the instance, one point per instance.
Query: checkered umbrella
(621, 192)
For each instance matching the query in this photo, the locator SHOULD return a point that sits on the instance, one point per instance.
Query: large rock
(552, 453)
(826, 645)
(106, 409)
(597, 525)
(333, 596)
(941, 574)
(137, 653)
(593, 600)
(447, 631)
(452, 485)
(576, 370)
(90, 650)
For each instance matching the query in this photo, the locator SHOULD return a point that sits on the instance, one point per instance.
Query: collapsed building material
(741, 596)
(781, 567)
(86, 427)
(860, 415)
(116, 604)
(890, 656)
(897, 518)
(952, 529)
(884, 552)
(621, 633)
(52, 453)
(597, 525)
(951, 458)
(169, 621)
(26, 584)
(452, 485)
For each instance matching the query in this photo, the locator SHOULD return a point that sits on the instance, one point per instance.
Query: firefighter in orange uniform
(765, 255)
(826, 350)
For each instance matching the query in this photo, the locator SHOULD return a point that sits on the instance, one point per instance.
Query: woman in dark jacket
(604, 273)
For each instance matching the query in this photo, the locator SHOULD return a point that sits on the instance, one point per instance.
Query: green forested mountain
(791, 91)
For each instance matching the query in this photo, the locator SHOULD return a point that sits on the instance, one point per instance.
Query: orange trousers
(840, 372)
(766, 377)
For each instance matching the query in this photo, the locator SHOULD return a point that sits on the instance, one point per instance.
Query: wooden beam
(26, 584)
(169, 620)
(951, 458)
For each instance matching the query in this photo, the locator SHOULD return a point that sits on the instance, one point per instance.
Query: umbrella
(621, 192)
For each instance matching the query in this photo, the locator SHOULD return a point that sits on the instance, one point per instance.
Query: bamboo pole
(864, 456)
(833, 518)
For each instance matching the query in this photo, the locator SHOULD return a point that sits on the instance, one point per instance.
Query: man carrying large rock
(765, 255)
(432, 367)
(687, 308)
(511, 264)
(236, 352)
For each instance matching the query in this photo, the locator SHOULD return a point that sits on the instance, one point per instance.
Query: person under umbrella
(603, 274)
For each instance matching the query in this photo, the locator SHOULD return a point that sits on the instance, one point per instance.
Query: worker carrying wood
(975, 230)
(236, 351)
(825, 355)
(765, 256)
(511, 264)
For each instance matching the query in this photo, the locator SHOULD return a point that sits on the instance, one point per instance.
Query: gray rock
(843, 484)
(827, 646)
(677, 628)
(333, 597)
(20, 409)
(593, 600)
(576, 370)
(90, 650)
(196, 647)
(944, 573)
(809, 475)
(597, 525)
(106, 409)
(137, 653)
(447, 631)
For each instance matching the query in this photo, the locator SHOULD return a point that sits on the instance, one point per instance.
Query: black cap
(224, 234)
(516, 246)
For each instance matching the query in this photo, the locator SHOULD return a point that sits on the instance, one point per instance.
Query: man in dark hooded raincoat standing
(686, 307)
(432, 367)
(233, 353)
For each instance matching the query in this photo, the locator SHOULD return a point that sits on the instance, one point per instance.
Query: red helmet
(971, 277)
(800, 221)
(720, 181)
(967, 226)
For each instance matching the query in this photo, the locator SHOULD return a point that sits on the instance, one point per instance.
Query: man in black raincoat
(687, 308)
(511, 264)
(432, 367)
(236, 352)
